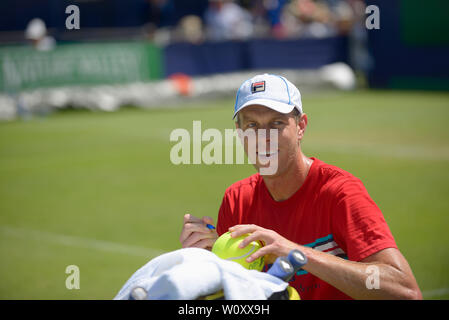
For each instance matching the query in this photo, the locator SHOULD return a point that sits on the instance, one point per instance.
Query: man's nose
(265, 130)
(266, 135)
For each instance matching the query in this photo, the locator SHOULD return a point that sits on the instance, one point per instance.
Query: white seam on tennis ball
(245, 255)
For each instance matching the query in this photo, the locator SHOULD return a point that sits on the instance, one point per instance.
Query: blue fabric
(229, 56)
(204, 59)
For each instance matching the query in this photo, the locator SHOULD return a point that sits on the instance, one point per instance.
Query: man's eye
(251, 125)
(278, 123)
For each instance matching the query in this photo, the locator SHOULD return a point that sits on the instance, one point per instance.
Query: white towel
(187, 274)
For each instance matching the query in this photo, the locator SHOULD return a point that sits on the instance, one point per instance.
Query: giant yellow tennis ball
(227, 248)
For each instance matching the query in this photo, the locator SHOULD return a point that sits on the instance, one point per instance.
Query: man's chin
(269, 170)
(265, 165)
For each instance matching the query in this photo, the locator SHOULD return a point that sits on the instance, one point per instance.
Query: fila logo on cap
(268, 90)
(258, 87)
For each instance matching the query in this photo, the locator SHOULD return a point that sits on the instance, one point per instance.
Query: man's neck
(284, 186)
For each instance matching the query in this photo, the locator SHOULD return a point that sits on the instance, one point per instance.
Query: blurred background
(88, 99)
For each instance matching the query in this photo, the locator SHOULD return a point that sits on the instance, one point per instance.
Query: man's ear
(302, 124)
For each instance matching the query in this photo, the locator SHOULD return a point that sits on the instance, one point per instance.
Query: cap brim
(274, 105)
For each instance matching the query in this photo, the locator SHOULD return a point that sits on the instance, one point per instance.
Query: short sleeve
(359, 226)
(224, 220)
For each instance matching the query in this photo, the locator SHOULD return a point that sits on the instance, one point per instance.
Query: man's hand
(395, 276)
(274, 244)
(195, 233)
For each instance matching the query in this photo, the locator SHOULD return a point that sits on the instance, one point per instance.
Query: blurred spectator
(308, 18)
(190, 29)
(36, 32)
(238, 20)
(258, 11)
(266, 17)
(226, 20)
(360, 57)
(343, 16)
(274, 10)
(164, 21)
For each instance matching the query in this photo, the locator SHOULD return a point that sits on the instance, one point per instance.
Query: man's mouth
(267, 154)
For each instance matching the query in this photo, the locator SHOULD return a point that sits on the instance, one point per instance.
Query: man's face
(289, 133)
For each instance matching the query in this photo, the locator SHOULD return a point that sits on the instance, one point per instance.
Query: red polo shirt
(331, 212)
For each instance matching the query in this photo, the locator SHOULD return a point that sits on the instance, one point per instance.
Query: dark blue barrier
(398, 64)
(296, 54)
(209, 58)
(206, 58)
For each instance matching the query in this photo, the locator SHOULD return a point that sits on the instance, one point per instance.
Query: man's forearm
(393, 277)
(353, 278)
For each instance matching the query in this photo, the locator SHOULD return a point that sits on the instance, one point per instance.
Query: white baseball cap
(269, 90)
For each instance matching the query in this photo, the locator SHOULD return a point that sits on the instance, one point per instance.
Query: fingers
(241, 229)
(274, 244)
(195, 232)
(264, 251)
(191, 227)
(191, 218)
(254, 233)
(208, 220)
(204, 244)
(255, 236)
(194, 238)
(191, 224)
(204, 221)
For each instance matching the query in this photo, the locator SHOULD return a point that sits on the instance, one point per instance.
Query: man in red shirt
(308, 205)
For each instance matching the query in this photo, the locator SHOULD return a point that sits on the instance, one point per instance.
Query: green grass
(75, 178)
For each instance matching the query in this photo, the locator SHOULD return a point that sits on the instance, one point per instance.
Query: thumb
(191, 218)
(186, 218)
(208, 220)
